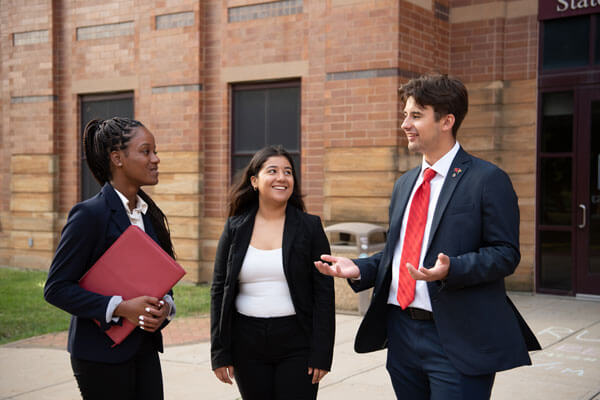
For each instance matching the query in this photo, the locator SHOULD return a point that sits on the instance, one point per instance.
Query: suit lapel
(457, 170)
(290, 228)
(241, 241)
(403, 195)
(115, 205)
(149, 228)
(399, 202)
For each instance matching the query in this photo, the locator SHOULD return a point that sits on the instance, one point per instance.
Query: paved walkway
(567, 368)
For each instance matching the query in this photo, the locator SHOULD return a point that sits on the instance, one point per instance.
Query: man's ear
(448, 122)
(115, 158)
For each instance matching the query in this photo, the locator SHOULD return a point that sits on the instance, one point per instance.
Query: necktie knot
(428, 174)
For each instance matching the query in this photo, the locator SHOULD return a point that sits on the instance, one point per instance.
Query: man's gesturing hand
(436, 273)
(340, 267)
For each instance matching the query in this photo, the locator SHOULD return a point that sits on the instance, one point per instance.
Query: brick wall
(494, 50)
(180, 60)
(53, 52)
(27, 207)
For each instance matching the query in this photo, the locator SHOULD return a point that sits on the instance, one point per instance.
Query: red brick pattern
(357, 53)
(495, 48)
(151, 57)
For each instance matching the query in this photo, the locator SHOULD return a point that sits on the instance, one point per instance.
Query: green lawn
(25, 313)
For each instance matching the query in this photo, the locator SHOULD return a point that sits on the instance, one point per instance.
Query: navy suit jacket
(312, 293)
(92, 226)
(476, 223)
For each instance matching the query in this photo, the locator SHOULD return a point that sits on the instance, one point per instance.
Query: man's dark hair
(444, 94)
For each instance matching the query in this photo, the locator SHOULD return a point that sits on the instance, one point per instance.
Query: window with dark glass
(556, 189)
(597, 40)
(100, 107)
(265, 114)
(566, 43)
(556, 260)
(557, 122)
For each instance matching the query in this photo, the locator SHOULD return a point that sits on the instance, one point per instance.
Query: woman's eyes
(274, 171)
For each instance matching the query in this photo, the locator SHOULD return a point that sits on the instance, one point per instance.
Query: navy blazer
(476, 223)
(312, 293)
(92, 226)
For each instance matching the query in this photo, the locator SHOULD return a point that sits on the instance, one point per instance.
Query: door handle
(584, 209)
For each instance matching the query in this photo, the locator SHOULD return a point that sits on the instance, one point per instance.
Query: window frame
(263, 85)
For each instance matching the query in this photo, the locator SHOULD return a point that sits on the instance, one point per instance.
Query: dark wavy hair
(100, 138)
(446, 95)
(242, 197)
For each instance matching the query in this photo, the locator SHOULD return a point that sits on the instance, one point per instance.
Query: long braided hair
(100, 138)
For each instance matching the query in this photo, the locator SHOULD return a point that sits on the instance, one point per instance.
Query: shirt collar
(140, 206)
(442, 166)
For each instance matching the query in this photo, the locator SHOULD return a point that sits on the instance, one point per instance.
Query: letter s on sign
(562, 5)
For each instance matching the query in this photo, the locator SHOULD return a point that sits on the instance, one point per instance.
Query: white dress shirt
(441, 167)
(135, 217)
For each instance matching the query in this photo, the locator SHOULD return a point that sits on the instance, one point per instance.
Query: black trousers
(138, 378)
(270, 359)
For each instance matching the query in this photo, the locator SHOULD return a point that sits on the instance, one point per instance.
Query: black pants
(270, 359)
(138, 378)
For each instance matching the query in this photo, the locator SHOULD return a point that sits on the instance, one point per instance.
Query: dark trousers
(270, 359)
(138, 378)
(419, 367)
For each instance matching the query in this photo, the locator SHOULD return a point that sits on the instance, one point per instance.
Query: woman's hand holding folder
(147, 312)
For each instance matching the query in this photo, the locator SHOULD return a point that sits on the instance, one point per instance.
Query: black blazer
(92, 226)
(476, 223)
(312, 293)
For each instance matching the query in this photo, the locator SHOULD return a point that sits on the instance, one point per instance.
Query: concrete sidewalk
(567, 368)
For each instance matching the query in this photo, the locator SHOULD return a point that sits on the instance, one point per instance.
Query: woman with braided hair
(121, 154)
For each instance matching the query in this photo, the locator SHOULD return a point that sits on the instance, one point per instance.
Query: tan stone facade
(180, 60)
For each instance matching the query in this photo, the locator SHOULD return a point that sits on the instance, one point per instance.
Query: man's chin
(414, 147)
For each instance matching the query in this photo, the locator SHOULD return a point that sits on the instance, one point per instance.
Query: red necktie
(413, 239)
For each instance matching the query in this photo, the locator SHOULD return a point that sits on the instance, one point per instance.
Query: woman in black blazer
(272, 312)
(121, 153)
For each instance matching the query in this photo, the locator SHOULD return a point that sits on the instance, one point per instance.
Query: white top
(441, 167)
(135, 216)
(264, 292)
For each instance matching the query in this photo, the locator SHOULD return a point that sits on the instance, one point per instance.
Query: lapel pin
(456, 172)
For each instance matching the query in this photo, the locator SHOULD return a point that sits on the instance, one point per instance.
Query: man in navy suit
(439, 303)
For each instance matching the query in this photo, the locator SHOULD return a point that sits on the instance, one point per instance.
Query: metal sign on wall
(551, 9)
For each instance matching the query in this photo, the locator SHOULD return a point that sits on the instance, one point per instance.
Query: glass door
(568, 210)
(588, 194)
(555, 198)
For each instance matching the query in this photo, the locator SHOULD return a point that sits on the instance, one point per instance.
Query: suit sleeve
(369, 266)
(323, 329)
(498, 254)
(220, 354)
(80, 236)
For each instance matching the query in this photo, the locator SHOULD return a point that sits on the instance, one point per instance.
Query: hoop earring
(254, 187)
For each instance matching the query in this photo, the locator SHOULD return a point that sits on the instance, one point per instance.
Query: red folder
(134, 265)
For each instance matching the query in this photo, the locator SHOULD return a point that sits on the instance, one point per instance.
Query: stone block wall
(494, 50)
(55, 52)
(180, 60)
